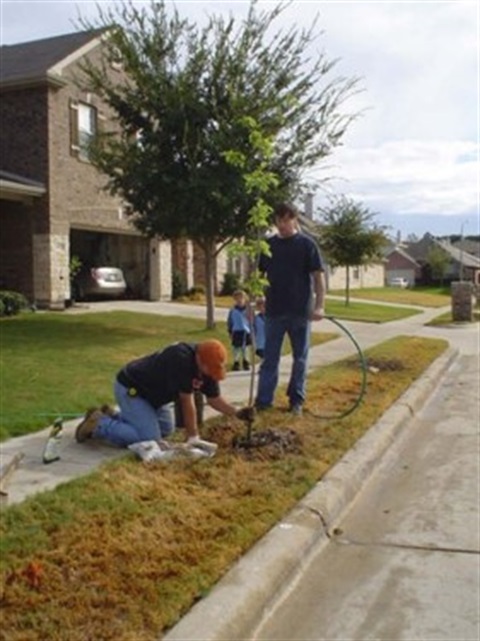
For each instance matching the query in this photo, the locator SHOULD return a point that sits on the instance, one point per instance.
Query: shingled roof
(32, 62)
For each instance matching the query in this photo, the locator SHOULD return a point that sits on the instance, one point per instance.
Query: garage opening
(129, 253)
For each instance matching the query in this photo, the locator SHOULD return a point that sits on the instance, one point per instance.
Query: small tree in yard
(183, 108)
(258, 183)
(349, 237)
(438, 261)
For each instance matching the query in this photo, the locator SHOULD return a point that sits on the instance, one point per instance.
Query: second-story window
(83, 128)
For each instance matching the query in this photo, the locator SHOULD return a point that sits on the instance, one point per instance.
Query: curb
(238, 602)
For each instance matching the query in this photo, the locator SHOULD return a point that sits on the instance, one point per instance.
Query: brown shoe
(90, 422)
(108, 410)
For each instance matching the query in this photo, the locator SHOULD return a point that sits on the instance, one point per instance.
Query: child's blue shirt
(237, 320)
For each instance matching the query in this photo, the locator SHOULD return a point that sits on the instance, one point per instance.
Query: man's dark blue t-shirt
(289, 273)
(160, 377)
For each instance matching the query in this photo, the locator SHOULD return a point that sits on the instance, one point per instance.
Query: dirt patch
(386, 365)
(380, 364)
(270, 444)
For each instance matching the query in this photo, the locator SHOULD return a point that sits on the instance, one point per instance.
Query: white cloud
(419, 63)
(412, 176)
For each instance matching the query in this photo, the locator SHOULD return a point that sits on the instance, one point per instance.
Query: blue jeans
(298, 331)
(137, 420)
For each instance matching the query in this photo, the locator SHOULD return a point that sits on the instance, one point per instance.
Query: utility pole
(461, 250)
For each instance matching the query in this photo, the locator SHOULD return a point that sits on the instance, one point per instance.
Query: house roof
(469, 246)
(459, 254)
(37, 61)
(398, 250)
(420, 249)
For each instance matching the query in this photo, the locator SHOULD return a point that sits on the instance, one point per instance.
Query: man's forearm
(220, 405)
(319, 290)
(189, 413)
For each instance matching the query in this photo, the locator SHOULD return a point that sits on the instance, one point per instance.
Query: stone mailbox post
(462, 301)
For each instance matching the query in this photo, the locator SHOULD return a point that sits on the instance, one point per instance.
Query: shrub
(197, 292)
(11, 302)
(75, 267)
(179, 284)
(231, 282)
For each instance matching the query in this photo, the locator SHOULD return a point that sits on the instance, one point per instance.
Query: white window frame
(83, 128)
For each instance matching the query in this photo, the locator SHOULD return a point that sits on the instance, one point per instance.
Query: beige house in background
(336, 277)
(362, 276)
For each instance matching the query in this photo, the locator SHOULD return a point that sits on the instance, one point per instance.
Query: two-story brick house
(52, 201)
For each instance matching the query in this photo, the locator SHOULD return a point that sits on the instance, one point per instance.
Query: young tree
(183, 104)
(438, 260)
(349, 237)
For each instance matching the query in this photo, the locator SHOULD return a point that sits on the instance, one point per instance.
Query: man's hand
(318, 314)
(246, 414)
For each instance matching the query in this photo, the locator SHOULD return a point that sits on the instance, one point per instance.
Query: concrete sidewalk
(34, 476)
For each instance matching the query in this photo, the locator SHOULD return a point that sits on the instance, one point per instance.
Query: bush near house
(179, 284)
(11, 303)
(231, 282)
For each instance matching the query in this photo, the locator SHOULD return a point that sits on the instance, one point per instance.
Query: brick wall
(182, 260)
(23, 133)
(77, 195)
(16, 261)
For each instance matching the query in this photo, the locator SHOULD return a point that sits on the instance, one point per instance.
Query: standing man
(294, 297)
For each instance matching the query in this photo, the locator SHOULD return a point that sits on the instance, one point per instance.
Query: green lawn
(423, 296)
(58, 364)
(358, 311)
(367, 312)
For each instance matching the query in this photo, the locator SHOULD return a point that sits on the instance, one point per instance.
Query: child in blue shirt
(239, 330)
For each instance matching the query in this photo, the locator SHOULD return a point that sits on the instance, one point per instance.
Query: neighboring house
(362, 276)
(53, 202)
(468, 245)
(462, 265)
(399, 264)
(372, 275)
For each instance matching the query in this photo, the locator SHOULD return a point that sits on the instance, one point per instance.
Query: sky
(412, 156)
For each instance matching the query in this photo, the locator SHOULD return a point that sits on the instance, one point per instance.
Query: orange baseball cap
(213, 358)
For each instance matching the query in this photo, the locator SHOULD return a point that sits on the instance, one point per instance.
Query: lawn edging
(237, 603)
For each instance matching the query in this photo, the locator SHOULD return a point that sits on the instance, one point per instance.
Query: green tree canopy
(438, 261)
(349, 236)
(186, 103)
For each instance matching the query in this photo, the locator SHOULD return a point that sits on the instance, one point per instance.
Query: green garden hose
(363, 368)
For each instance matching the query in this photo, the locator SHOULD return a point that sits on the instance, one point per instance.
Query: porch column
(51, 270)
(160, 268)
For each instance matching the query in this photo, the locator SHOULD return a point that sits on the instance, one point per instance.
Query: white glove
(150, 451)
(199, 444)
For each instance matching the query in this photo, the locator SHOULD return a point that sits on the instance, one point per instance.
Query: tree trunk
(209, 283)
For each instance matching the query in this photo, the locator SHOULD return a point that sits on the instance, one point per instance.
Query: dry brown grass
(123, 553)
